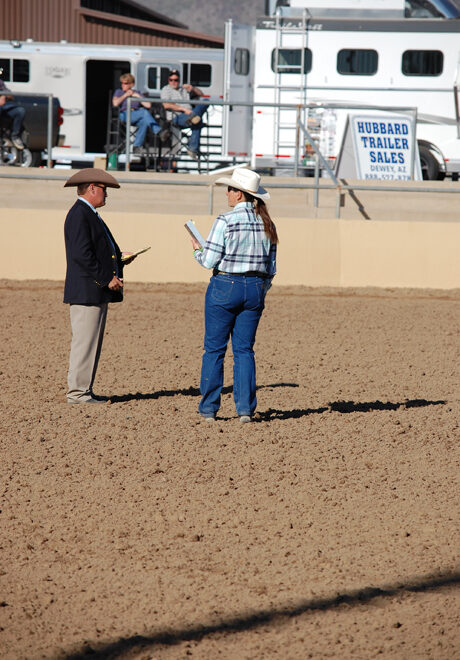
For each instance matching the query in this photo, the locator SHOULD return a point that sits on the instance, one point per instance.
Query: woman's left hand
(195, 244)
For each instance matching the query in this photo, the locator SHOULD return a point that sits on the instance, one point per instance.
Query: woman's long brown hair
(262, 210)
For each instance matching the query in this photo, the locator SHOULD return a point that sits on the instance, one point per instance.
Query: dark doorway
(102, 79)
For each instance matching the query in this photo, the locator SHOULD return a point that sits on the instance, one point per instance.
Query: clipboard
(193, 231)
(134, 254)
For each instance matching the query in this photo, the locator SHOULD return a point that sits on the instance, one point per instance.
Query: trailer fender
(431, 161)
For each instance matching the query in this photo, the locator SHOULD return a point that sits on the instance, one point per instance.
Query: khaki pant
(88, 324)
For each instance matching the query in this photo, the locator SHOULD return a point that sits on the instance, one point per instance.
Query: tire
(25, 158)
(429, 165)
(36, 159)
(8, 155)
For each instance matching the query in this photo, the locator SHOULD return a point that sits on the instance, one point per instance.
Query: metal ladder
(285, 119)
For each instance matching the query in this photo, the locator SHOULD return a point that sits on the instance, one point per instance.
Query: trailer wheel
(8, 155)
(36, 159)
(429, 165)
(24, 158)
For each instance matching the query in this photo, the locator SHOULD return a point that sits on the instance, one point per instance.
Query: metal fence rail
(300, 127)
(339, 186)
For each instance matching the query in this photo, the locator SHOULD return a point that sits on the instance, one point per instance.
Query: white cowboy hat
(245, 180)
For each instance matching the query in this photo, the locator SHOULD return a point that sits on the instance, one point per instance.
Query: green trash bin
(112, 161)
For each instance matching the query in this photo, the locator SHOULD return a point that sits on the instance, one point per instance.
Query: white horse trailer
(308, 53)
(84, 76)
(324, 54)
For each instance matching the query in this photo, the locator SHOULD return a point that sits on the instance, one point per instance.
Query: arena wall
(312, 252)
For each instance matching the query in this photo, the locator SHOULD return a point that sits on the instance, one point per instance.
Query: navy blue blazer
(92, 260)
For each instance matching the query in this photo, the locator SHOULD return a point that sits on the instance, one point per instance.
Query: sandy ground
(328, 528)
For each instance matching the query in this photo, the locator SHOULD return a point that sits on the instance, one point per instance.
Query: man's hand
(191, 89)
(196, 245)
(176, 107)
(2, 100)
(129, 259)
(115, 284)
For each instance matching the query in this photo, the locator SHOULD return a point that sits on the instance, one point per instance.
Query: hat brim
(92, 175)
(227, 181)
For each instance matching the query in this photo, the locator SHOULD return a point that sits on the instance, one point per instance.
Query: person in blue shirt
(241, 250)
(140, 115)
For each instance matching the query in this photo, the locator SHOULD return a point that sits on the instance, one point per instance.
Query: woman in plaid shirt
(241, 250)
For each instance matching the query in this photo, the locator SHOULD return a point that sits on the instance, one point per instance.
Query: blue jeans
(181, 121)
(142, 119)
(233, 306)
(16, 112)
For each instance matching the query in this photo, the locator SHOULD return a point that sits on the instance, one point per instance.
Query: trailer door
(238, 87)
(457, 99)
(102, 79)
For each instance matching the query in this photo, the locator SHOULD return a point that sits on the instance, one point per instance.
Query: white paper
(190, 226)
(134, 254)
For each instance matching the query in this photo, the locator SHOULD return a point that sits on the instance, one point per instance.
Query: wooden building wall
(55, 20)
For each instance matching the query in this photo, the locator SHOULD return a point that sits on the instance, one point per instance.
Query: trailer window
(157, 77)
(152, 77)
(290, 60)
(164, 76)
(422, 9)
(198, 75)
(21, 71)
(422, 63)
(241, 62)
(357, 62)
(5, 65)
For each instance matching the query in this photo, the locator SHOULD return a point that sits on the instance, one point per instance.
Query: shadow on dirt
(343, 407)
(248, 621)
(189, 391)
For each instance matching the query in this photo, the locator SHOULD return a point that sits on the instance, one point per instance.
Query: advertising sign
(385, 147)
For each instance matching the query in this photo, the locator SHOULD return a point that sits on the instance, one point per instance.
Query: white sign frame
(385, 147)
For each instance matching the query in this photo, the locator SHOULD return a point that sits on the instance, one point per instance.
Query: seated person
(184, 115)
(16, 112)
(140, 115)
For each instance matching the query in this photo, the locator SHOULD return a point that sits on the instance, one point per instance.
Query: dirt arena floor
(328, 528)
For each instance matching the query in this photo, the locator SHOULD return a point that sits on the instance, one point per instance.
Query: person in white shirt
(184, 115)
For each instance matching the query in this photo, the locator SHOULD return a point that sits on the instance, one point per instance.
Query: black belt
(249, 273)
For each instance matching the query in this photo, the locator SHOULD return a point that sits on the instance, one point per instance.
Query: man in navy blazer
(94, 278)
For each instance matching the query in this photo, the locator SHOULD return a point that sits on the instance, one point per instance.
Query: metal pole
(324, 162)
(316, 193)
(49, 135)
(297, 141)
(211, 198)
(128, 134)
(457, 111)
(414, 144)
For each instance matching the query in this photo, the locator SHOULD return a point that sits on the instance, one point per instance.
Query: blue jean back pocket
(221, 289)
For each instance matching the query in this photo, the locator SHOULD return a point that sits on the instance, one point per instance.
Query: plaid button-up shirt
(237, 243)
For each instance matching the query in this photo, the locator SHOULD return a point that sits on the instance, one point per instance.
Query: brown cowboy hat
(92, 175)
